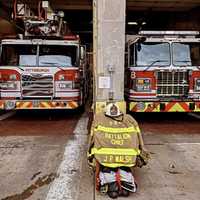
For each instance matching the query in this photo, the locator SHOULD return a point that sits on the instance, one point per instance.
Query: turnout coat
(116, 142)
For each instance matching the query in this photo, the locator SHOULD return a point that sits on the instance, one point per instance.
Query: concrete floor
(174, 170)
(30, 159)
(31, 149)
(27, 167)
(172, 174)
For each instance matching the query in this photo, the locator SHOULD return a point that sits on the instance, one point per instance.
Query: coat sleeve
(144, 156)
(139, 134)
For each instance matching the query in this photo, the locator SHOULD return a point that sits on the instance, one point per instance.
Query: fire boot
(113, 190)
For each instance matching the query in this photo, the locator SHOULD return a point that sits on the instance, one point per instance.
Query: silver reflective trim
(172, 83)
(37, 85)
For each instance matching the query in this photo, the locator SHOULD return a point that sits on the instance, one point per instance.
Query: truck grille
(37, 85)
(175, 83)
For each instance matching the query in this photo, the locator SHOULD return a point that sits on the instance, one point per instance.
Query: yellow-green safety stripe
(118, 130)
(115, 151)
(114, 165)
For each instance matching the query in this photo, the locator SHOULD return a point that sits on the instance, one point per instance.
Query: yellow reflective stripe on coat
(112, 151)
(114, 165)
(138, 129)
(118, 130)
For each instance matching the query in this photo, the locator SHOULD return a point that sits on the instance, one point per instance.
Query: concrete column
(109, 44)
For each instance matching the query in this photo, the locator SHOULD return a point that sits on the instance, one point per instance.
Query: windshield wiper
(186, 61)
(154, 62)
(183, 61)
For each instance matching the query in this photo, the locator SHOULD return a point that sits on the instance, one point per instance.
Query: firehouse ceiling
(157, 5)
(162, 5)
(78, 13)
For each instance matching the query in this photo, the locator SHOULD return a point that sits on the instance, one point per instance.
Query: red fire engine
(163, 71)
(44, 68)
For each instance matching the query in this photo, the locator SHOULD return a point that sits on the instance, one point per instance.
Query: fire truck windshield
(42, 55)
(60, 55)
(152, 52)
(186, 54)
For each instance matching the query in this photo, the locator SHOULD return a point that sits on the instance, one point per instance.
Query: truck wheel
(81, 109)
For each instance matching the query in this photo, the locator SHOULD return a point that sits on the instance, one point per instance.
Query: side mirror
(139, 42)
(142, 39)
(138, 46)
(82, 52)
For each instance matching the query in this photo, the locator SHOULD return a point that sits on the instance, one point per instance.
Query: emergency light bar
(182, 33)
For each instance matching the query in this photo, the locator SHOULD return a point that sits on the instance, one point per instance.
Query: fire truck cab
(162, 71)
(44, 68)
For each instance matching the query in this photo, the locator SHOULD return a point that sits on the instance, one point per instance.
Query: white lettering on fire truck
(37, 70)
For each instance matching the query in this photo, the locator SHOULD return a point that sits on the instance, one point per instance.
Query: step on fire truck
(163, 71)
(44, 68)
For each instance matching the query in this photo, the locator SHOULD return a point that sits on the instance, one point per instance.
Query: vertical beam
(109, 43)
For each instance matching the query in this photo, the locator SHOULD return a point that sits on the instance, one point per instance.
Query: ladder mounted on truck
(42, 23)
(178, 34)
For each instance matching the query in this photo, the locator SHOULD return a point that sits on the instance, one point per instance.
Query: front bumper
(37, 104)
(172, 106)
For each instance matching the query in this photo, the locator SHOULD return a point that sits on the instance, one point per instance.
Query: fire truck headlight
(8, 86)
(13, 77)
(67, 85)
(197, 85)
(143, 85)
(61, 77)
